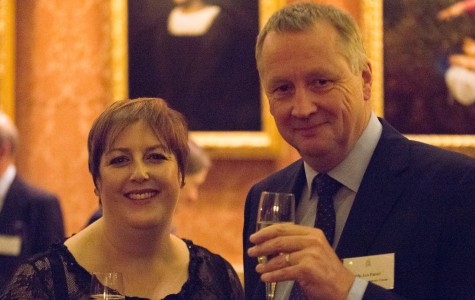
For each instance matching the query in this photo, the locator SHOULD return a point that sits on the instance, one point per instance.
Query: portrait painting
(199, 56)
(429, 66)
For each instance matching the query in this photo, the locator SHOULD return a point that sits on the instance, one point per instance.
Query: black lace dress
(210, 277)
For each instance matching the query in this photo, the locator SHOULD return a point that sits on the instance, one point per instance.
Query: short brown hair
(169, 126)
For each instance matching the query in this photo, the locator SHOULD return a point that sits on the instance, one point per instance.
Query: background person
(460, 76)
(30, 217)
(196, 172)
(456, 9)
(396, 197)
(138, 181)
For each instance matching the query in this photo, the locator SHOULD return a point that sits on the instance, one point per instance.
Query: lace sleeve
(237, 292)
(211, 277)
(31, 281)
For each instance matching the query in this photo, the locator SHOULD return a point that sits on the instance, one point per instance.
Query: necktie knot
(325, 186)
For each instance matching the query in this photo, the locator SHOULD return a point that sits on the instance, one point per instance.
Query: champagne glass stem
(270, 289)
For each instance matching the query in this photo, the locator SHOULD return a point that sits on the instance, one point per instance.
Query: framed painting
(234, 129)
(411, 47)
(6, 56)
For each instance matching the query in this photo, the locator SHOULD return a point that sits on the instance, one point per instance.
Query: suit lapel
(296, 182)
(380, 188)
(291, 180)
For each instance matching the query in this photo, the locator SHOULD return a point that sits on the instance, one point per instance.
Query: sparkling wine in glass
(107, 286)
(274, 208)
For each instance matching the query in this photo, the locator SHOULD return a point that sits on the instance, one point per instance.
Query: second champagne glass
(274, 208)
(107, 285)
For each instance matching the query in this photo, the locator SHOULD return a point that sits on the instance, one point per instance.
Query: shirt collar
(5, 181)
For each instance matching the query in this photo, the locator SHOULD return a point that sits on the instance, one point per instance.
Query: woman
(137, 157)
(196, 171)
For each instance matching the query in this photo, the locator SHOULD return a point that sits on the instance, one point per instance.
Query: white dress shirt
(5, 183)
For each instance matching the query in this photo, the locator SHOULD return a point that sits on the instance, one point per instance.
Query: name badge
(378, 269)
(10, 245)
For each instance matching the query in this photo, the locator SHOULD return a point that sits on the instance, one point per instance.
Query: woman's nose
(140, 172)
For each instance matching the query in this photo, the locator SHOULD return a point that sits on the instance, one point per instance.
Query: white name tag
(378, 269)
(10, 245)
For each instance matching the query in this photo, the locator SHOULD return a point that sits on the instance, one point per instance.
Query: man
(405, 209)
(30, 218)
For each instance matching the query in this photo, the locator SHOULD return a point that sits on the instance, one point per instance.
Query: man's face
(320, 106)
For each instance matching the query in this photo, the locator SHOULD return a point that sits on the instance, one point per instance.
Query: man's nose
(304, 104)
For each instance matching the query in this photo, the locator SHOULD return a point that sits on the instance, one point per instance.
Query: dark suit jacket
(34, 215)
(416, 201)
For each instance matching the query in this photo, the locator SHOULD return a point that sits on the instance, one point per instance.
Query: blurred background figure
(460, 76)
(30, 218)
(196, 172)
(456, 9)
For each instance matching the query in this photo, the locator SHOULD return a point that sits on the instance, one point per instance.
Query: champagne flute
(107, 286)
(274, 208)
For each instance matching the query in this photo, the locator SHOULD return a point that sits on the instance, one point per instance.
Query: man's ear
(367, 75)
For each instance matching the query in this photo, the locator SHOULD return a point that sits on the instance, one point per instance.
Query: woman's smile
(141, 195)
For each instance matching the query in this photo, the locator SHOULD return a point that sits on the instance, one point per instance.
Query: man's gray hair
(305, 16)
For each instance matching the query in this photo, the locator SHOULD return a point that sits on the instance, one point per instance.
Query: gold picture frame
(7, 46)
(372, 28)
(263, 144)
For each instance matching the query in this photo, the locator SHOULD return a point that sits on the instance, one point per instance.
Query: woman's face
(139, 181)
